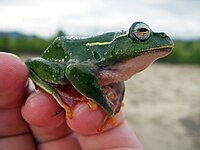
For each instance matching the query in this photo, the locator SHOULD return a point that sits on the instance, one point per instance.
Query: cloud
(17, 2)
(45, 17)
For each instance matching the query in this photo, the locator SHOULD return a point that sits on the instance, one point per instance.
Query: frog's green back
(73, 49)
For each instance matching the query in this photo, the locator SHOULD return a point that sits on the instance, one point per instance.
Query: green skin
(91, 63)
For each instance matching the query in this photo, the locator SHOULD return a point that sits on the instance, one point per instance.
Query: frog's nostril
(164, 35)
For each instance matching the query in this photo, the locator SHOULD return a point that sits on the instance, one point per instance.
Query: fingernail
(79, 108)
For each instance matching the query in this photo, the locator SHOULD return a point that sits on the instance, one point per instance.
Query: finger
(20, 142)
(67, 142)
(12, 122)
(85, 122)
(120, 137)
(88, 121)
(13, 129)
(48, 126)
(57, 138)
(13, 77)
(41, 109)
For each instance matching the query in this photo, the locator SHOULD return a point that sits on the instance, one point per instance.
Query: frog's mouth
(164, 50)
(114, 93)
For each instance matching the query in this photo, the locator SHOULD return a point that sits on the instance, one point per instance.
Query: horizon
(81, 36)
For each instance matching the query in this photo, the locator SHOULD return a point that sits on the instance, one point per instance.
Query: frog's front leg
(85, 81)
(38, 81)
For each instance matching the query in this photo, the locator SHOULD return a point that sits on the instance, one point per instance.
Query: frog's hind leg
(85, 81)
(43, 85)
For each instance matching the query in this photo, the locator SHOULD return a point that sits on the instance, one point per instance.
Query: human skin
(29, 119)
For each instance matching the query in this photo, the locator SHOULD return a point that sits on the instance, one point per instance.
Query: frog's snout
(164, 35)
(167, 38)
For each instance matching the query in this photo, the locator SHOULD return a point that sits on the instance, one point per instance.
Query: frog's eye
(140, 30)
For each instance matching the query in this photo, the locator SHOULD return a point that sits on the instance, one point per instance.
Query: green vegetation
(18, 43)
(23, 44)
(185, 52)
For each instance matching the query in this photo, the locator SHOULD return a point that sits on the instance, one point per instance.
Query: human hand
(28, 119)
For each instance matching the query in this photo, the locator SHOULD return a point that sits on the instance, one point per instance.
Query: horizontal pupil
(142, 30)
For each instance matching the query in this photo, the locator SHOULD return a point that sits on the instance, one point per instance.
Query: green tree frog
(92, 70)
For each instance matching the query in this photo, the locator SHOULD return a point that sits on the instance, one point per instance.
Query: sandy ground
(162, 106)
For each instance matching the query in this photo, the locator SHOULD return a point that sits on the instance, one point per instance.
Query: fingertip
(40, 109)
(12, 68)
(13, 78)
(88, 121)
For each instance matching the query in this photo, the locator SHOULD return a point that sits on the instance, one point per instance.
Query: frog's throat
(122, 71)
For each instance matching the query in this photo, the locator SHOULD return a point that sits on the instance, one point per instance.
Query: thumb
(88, 121)
(85, 123)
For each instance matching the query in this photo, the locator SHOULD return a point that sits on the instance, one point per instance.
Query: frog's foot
(109, 119)
(68, 112)
(67, 109)
(92, 105)
(114, 94)
(71, 96)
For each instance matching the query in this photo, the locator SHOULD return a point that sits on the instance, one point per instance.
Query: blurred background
(162, 103)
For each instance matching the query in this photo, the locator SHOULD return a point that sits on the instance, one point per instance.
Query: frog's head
(134, 51)
(140, 40)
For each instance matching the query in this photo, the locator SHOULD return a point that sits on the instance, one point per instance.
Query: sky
(178, 18)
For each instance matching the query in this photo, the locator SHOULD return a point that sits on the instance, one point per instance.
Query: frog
(92, 70)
